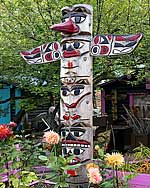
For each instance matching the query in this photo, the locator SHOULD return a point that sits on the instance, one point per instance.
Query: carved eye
(77, 45)
(78, 151)
(77, 90)
(56, 55)
(95, 50)
(78, 19)
(65, 91)
(77, 133)
(64, 46)
(68, 151)
(64, 133)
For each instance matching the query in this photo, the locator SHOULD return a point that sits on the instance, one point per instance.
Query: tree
(25, 24)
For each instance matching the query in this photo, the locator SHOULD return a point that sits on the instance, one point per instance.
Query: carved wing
(105, 45)
(45, 53)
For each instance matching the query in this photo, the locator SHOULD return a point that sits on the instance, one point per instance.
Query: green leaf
(70, 167)
(50, 175)
(107, 184)
(43, 158)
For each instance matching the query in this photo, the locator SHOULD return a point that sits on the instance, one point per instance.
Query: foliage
(17, 160)
(137, 120)
(58, 165)
(116, 170)
(19, 155)
(110, 174)
(141, 152)
(139, 160)
(26, 24)
(117, 21)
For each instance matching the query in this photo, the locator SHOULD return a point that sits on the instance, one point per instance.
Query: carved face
(74, 100)
(75, 140)
(76, 66)
(74, 48)
(80, 15)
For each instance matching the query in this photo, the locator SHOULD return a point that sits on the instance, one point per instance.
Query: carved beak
(67, 27)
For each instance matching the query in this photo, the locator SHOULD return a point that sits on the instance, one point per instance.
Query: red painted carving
(73, 53)
(70, 65)
(74, 117)
(67, 27)
(104, 50)
(72, 173)
(48, 56)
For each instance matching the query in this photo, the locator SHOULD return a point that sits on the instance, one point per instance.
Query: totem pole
(76, 51)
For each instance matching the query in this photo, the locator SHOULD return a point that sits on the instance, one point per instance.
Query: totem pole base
(83, 185)
(79, 178)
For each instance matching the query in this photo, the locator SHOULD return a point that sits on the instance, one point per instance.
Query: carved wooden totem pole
(75, 51)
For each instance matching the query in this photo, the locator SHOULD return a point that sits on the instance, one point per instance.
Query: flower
(97, 147)
(115, 159)
(5, 132)
(51, 137)
(94, 175)
(92, 165)
(12, 124)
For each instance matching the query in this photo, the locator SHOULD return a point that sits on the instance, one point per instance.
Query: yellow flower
(115, 159)
(51, 137)
(97, 147)
(91, 165)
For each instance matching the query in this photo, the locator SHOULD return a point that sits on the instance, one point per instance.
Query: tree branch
(100, 4)
(38, 6)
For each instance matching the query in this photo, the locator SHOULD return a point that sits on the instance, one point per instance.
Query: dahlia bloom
(115, 159)
(51, 137)
(91, 165)
(94, 175)
(5, 132)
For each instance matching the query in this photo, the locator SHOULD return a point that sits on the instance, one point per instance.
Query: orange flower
(5, 132)
(51, 137)
(94, 175)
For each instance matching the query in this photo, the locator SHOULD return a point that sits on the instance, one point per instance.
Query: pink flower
(12, 124)
(94, 175)
(5, 132)
(51, 137)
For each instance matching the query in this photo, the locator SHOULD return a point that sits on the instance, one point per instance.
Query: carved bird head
(75, 20)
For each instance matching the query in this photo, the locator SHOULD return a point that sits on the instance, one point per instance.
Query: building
(127, 108)
(9, 102)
